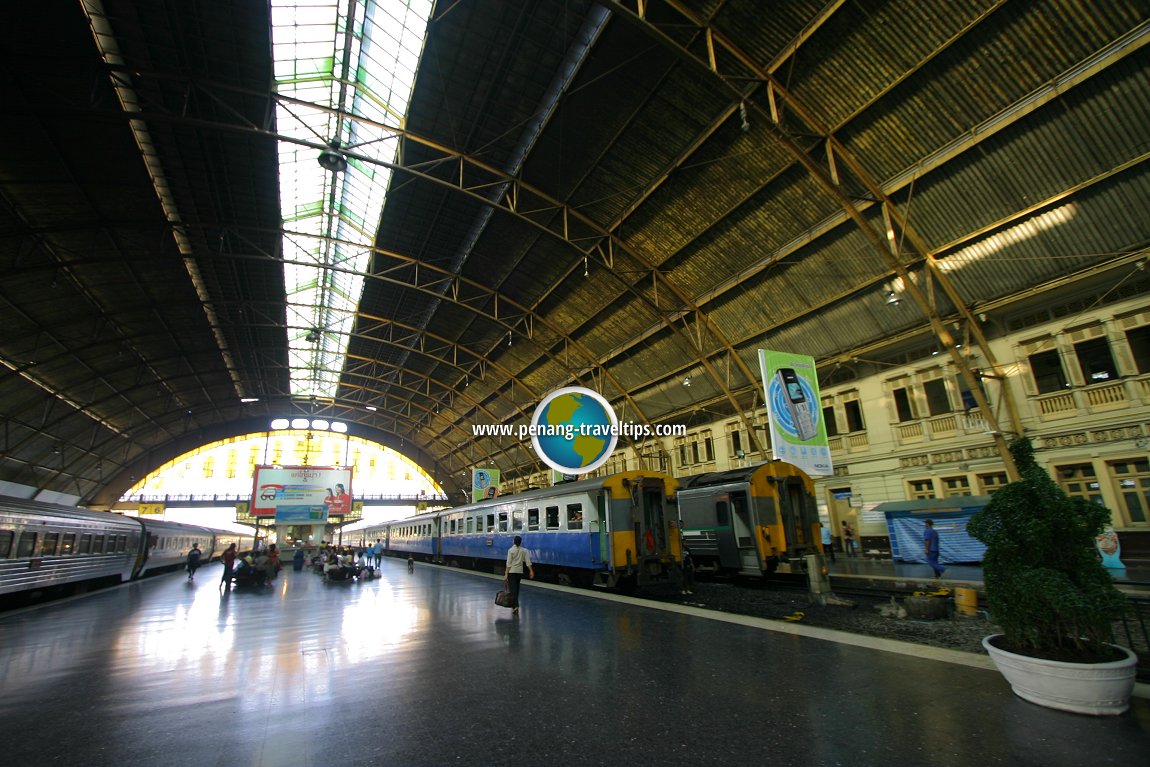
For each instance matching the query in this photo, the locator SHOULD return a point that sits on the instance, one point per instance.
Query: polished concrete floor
(423, 669)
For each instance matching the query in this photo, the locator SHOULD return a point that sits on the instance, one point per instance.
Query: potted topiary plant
(1050, 594)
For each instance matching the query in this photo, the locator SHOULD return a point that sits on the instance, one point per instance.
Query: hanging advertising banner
(558, 477)
(798, 434)
(484, 484)
(301, 494)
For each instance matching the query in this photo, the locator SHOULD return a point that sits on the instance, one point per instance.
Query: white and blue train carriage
(619, 531)
(416, 537)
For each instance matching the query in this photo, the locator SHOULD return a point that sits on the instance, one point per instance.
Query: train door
(744, 532)
(651, 524)
(597, 528)
(799, 517)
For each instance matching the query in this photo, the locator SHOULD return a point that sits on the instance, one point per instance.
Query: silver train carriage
(749, 521)
(618, 531)
(49, 547)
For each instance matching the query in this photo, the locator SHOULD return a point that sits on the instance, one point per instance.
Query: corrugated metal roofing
(578, 198)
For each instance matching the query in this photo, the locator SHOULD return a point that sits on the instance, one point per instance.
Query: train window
(490, 523)
(121, 544)
(516, 521)
(533, 519)
(6, 537)
(470, 525)
(503, 521)
(69, 546)
(98, 544)
(51, 541)
(26, 545)
(574, 516)
(552, 517)
(85, 544)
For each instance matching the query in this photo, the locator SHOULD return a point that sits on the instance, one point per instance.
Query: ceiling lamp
(332, 159)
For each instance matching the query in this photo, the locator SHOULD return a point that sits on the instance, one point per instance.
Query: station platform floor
(423, 669)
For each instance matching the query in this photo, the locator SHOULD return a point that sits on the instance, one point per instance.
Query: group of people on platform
(850, 545)
(257, 567)
(343, 562)
(261, 565)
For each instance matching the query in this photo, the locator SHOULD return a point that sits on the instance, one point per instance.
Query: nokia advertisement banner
(798, 434)
(484, 484)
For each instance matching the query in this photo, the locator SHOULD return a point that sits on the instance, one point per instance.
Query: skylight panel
(330, 218)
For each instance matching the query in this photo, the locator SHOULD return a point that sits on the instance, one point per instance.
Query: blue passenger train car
(618, 531)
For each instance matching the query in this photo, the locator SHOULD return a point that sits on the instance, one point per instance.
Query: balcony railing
(910, 432)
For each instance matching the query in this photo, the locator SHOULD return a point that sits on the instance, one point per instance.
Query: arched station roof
(618, 195)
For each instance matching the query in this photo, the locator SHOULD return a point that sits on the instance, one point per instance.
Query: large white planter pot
(1100, 689)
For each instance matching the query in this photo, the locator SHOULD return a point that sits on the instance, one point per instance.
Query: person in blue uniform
(828, 541)
(517, 559)
(930, 547)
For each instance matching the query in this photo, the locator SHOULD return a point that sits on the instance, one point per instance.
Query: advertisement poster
(301, 494)
(484, 484)
(798, 434)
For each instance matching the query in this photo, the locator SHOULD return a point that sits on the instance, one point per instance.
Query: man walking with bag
(517, 559)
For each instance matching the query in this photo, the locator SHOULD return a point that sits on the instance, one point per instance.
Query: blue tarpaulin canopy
(906, 522)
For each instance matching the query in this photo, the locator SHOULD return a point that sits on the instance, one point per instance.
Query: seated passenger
(332, 568)
(264, 565)
(248, 573)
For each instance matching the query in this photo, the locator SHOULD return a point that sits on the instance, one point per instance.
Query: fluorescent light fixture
(279, 423)
(331, 213)
(339, 428)
(249, 399)
(320, 425)
(300, 423)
